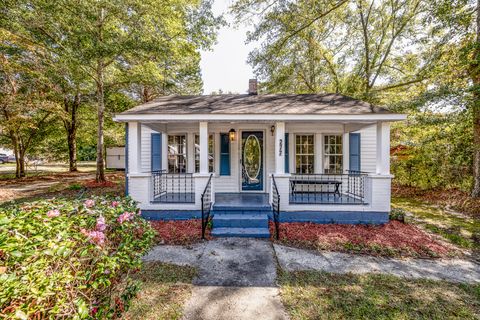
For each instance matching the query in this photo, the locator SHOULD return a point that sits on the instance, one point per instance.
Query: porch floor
(322, 198)
(244, 200)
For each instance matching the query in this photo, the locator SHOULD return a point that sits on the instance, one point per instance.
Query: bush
(397, 214)
(70, 259)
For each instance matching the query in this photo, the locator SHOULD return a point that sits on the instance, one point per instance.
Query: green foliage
(397, 214)
(69, 263)
(434, 150)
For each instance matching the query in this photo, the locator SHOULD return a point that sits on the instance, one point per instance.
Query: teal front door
(252, 161)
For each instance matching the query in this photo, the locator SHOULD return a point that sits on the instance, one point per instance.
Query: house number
(280, 145)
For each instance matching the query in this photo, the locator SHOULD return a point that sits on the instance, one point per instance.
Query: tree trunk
(476, 110)
(100, 176)
(21, 162)
(71, 128)
(17, 155)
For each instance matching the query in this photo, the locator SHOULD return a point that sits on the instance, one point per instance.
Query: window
(305, 154)
(177, 154)
(211, 152)
(333, 155)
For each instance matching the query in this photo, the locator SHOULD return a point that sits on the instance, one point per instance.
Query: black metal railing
(173, 187)
(276, 207)
(328, 188)
(206, 199)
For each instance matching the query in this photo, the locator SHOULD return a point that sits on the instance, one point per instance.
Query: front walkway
(237, 277)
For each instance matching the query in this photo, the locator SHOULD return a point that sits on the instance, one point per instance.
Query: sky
(225, 66)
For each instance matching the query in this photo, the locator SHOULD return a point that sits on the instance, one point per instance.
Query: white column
(134, 146)
(190, 152)
(383, 148)
(203, 130)
(164, 150)
(280, 148)
(346, 151)
(318, 149)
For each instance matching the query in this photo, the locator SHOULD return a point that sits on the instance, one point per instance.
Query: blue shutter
(224, 154)
(287, 162)
(354, 146)
(156, 152)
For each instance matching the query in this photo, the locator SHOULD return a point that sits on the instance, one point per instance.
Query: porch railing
(206, 199)
(276, 207)
(173, 187)
(346, 188)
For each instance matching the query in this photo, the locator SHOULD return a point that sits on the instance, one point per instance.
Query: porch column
(134, 146)
(346, 151)
(280, 148)
(165, 150)
(383, 148)
(203, 131)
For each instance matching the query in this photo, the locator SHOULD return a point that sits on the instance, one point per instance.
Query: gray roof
(257, 104)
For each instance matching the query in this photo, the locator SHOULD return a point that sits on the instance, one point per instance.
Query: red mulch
(95, 184)
(394, 239)
(451, 198)
(179, 232)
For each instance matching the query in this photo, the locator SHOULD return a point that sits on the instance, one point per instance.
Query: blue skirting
(171, 214)
(339, 217)
(323, 217)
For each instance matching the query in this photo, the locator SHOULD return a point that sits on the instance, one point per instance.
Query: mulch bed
(182, 232)
(394, 239)
(450, 198)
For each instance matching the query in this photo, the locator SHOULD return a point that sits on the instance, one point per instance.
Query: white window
(333, 155)
(211, 153)
(304, 153)
(177, 153)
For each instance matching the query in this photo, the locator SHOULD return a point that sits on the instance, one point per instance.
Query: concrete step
(241, 232)
(240, 220)
(241, 210)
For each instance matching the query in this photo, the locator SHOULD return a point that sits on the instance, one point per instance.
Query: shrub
(397, 214)
(70, 259)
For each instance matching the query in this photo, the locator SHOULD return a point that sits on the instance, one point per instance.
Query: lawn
(318, 295)
(7, 170)
(163, 290)
(458, 228)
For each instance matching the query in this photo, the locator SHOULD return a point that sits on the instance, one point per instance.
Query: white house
(305, 157)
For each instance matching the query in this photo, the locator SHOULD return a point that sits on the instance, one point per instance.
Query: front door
(252, 161)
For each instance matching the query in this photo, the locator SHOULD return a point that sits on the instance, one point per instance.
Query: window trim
(325, 154)
(177, 154)
(212, 154)
(295, 150)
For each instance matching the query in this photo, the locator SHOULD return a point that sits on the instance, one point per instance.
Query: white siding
(368, 149)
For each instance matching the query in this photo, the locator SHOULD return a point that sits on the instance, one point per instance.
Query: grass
(454, 227)
(319, 295)
(7, 170)
(163, 291)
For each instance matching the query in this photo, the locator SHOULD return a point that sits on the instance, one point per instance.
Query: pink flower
(53, 213)
(125, 217)
(115, 203)
(101, 225)
(96, 237)
(89, 203)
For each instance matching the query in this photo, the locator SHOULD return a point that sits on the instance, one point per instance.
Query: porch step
(241, 232)
(235, 220)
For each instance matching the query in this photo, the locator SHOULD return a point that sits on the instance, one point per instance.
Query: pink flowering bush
(77, 255)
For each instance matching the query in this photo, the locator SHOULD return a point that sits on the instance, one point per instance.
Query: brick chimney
(252, 87)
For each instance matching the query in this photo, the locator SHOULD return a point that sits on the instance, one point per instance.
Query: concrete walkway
(455, 270)
(236, 278)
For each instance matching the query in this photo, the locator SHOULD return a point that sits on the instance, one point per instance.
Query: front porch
(324, 171)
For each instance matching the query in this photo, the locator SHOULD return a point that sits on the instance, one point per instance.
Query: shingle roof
(257, 104)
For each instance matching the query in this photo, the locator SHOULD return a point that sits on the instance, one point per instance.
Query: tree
(26, 107)
(101, 37)
(475, 77)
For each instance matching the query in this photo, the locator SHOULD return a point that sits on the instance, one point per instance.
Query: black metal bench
(295, 182)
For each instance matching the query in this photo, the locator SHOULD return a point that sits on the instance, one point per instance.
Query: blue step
(240, 220)
(241, 232)
(241, 209)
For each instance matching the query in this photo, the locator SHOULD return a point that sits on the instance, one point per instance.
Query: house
(115, 157)
(245, 158)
